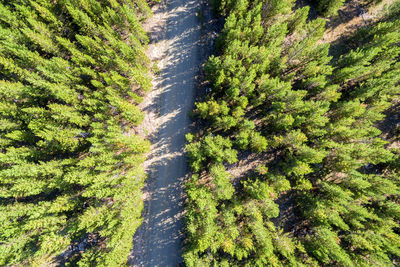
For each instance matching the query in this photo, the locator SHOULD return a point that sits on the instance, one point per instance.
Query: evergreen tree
(309, 124)
(69, 169)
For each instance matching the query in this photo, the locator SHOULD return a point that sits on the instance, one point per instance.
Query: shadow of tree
(159, 240)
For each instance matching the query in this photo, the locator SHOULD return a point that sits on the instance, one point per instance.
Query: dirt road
(176, 35)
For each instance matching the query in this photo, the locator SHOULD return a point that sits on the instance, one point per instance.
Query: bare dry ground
(175, 34)
(354, 15)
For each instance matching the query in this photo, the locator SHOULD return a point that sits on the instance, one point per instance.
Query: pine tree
(328, 7)
(306, 124)
(69, 170)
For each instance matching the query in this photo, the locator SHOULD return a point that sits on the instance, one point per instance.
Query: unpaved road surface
(175, 34)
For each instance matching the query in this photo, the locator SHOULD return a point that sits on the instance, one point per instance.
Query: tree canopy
(71, 75)
(323, 187)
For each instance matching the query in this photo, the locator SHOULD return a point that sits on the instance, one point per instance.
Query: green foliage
(212, 148)
(393, 11)
(328, 7)
(69, 166)
(314, 183)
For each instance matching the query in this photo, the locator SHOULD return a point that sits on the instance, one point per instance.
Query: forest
(318, 184)
(294, 156)
(72, 73)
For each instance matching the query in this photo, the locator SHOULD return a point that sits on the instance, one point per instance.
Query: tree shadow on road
(159, 240)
